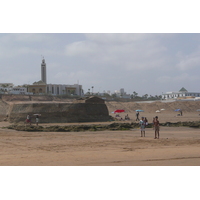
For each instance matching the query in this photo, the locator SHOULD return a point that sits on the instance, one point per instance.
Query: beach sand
(177, 146)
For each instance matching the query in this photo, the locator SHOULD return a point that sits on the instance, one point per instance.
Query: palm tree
(135, 94)
(92, 89)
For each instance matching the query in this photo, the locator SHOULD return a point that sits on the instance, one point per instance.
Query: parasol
(119, 111)
(139, 110)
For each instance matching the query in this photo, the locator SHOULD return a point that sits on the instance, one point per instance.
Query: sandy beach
(177, 146)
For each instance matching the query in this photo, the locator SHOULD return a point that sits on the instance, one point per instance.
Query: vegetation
(100, 127)
(133, 97)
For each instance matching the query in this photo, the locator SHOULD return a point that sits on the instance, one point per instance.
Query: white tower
(43, 72)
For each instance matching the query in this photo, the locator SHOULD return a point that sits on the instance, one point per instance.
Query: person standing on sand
(37, 120)
(28, 119)
(137, 116)
(156, 127)
(142, 126)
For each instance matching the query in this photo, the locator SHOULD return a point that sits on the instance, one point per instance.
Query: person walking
(157, 128)
(137, 116)
(142, 127)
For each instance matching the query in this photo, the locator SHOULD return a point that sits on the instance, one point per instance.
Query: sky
(147, 63)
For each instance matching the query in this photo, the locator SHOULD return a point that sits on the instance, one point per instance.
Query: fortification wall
(60, 112)
(4, 110)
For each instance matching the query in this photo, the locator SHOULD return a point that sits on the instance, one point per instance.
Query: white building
(10, 89)
(58, 89)
(182, 93)
(122, 94)
(18, 90)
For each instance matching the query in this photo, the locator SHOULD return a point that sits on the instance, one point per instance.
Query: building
(43, 72)
(122, 94)
(18, 90)
(41, 87)
(58, 89)
(181, 94)
(9, 88)
(37, 88)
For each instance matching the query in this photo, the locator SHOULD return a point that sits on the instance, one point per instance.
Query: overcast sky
(145, 63)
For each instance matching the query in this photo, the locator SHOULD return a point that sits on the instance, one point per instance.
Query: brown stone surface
(17, 107)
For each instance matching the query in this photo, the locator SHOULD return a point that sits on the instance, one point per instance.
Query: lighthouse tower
(43, 72)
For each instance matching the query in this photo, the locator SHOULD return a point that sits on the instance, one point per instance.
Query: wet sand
(177, 146)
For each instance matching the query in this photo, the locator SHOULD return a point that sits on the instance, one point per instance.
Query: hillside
(167, 115)
(185, 106)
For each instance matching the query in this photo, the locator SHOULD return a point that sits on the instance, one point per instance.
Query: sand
(177, 146)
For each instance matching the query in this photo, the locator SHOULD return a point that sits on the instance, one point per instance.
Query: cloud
(24, 38)
(74, 77)
(181, 78)
(125, 51)
(15, 45)
(117, 38)
(82, 49)
(188, 61)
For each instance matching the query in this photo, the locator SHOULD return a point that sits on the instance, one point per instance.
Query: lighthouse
(43, 72)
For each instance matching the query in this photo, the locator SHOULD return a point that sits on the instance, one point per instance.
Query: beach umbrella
(119, 111)
(198, 110)
(157, 111)
(162, 109)
(37, 114)
(177, 110)
(139, 110)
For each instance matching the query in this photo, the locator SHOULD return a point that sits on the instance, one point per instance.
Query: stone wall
(60, 112)
(4, 110)
(52, 109)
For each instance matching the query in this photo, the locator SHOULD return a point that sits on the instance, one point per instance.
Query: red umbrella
(119, 111)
